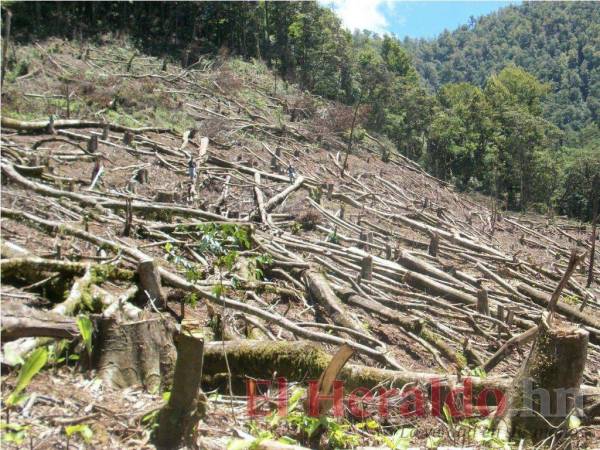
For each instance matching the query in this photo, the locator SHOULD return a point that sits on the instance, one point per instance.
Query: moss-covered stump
(544, 391)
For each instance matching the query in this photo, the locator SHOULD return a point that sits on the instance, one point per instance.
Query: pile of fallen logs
(416, 280)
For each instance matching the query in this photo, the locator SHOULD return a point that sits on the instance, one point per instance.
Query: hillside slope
(558, 42)
(339, 254)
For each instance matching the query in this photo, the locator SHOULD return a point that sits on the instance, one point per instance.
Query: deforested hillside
(177, 236)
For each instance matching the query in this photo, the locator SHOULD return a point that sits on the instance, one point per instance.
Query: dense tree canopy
(559, 43)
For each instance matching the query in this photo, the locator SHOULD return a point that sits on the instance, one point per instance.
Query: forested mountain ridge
(558, 42)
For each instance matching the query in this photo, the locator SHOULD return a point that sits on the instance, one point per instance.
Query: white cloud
(361, 14)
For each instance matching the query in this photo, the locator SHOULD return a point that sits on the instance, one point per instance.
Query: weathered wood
(555, 364)
(521, 339)
(483, 306)
(127, 138)
(135, 353)
(543, 299)
(179, 418)
(42, 125)
(92, 146)
(434, 244)
(366, 268)
(321, 291)
(260, 201)
(150, 282)
(352, 298)
(20, 321)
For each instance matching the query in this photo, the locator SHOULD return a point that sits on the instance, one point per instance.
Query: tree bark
(150, 282)
(135, 353)
(555, 363)
(6, 38)
(20, 321)
(42, 125)
(178, 419)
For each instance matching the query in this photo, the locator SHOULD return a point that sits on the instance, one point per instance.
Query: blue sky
(416, 19)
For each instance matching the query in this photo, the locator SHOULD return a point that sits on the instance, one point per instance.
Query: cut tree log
(135, 353)
(279, 198)
(352, 298)
(543, 299)
(260, 201)
(19, 321)
(321, 291)
(15, 351)
(178, 419)
(302, 360)
(483, 306)
(543, 393)
(42, 125)
(521, 339)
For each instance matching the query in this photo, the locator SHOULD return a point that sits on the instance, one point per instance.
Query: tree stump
(166, 197)
(150, 281)
(434, 244)
(544, 391)
(366, 268)
(178, 419)
(135, 353)
(127, 138)
(128, 217)
(483, 306)
(92, 145)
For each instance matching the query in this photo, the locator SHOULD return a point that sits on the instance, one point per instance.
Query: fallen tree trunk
(303, 360)
(150, 282)
(42, 125)
(179, 282)
(19, 321)
(349, 296)
(278, 198)
(555, 365)
(14, 352)
(33, 268)
(321, 291)
(543, 299)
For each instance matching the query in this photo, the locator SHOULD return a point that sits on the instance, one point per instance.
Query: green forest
(507, 105)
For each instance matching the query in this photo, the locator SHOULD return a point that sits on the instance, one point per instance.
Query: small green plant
(316, 194)
(34, 363)
(86, 329)
(572, 300)
(193, 272)
(259, 263)
(82, 430)
(190, 299)
(296, 228)
(150, 420)
(13, 433)
(333, 237)
(400, 440)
